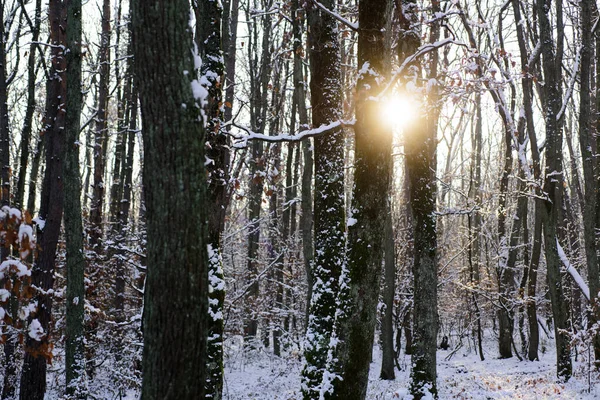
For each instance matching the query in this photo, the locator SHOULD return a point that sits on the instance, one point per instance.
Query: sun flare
(399, 111)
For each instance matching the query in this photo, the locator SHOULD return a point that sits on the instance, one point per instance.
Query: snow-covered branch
(571, 85)
(351, 25)
(576, 277)
(424, 49)
(243, 139)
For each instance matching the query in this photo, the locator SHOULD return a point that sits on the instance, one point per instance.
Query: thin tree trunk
(33, 375)
(100, 132)
(29, 111)
(551, 62)
(387, 323)
(75, 261)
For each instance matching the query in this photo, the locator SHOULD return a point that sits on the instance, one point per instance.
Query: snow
(14, 266)
(352, 221)
(25, 231)
(40, 223)
(260, 375)
(576, 277)
(35, 330)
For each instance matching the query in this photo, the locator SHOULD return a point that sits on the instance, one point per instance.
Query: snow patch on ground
(260, 375)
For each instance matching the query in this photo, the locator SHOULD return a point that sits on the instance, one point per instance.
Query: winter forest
(299, 199)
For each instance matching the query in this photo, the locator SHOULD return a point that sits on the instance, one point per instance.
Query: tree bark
(175, 299)
(373, 144)
(387, 323)
(328, 200)
(588, 148)
(29, 111)
(100, 132)
(75, 261)
(33, 375)
(551, 63)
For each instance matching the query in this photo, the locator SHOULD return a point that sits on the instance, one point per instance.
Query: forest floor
(263, 376)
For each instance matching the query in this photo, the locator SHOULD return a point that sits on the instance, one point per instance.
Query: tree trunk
(175, 299)
(373, 145)
(551, 62)
(33, 375)
(387, 323)
(329, 209)
(29, 111)
(208, 38)
(100, 132)
(75, 261)
(588, 148)
(421, 159)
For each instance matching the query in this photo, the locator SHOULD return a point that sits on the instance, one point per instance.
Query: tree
(173, 125)
(208, 38)
(373, 143)
(329, 213)
(37, 352)
(553, 178)
(100, 131)
(420, 146)
(75, 346)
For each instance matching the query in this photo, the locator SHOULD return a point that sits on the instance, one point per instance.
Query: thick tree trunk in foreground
(329, 211)
(175, 302)
(373, 145)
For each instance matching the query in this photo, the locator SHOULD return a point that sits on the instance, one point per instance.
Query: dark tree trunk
(588, 148)
(260, 75)
(175, 299)
(33, 375)
(208, 38)
(527, 84)
(421, 159)
(373, 145)
(329, 210)
(551, 62)
(29, 111)
(387, 323)
(100, 132)
(75, 261)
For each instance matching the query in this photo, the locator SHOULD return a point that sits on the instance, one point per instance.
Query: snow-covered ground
(264, 376)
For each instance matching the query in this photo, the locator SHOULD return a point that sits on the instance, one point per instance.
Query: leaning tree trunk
(373, 145)
(33, 375)
(75, 261)
(175, 299)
